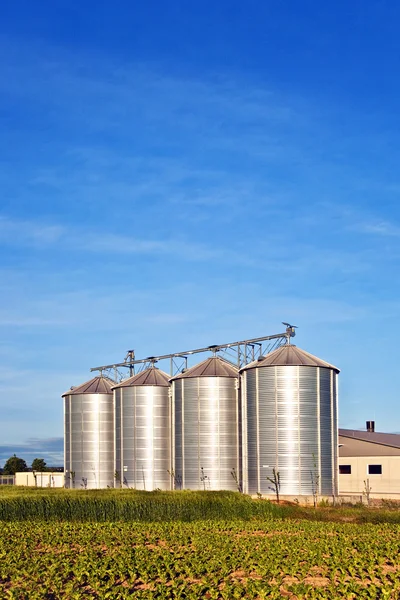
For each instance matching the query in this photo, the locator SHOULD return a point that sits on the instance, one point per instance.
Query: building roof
(151, 376)
(384, 439)
(215, 366)
(292, 356)
(97, 385)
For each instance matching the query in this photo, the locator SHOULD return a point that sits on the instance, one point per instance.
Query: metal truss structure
(238, 353)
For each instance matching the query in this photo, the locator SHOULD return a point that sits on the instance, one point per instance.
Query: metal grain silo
(143, 431)
(89, 434)
(289, 404)
(206, 426)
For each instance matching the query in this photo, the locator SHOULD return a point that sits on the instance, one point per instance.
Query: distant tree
(38, 464)
(14, 465)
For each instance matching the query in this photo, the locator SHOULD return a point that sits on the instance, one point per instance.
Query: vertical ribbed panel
(335, 432)
(328, 436)
(143, 437)
(291, 424)
(177, 402)
(206, 431)
(67, 441)
(240, 436)
(89, 440)
(117, 437)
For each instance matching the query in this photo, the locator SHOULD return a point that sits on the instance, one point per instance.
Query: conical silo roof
(151, 376)
(97, 385)
(211, 367)
(290, 356)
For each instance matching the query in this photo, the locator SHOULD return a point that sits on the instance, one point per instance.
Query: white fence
(7, 479)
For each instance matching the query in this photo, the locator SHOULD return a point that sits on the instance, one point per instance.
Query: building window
(345, 469)
(374, 469)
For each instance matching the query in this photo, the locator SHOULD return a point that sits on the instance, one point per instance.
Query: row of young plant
(223, 559)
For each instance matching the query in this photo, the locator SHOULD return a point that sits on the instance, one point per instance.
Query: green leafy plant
(257, 559)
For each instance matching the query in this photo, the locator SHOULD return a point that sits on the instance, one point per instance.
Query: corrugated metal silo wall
(67, 441)
(290, 424)
(143, 437)
(206, 432)
(89, 440)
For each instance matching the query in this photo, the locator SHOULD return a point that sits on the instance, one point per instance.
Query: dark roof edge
(363, 439)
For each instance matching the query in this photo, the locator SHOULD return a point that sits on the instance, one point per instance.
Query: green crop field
(269, 552)
(209, 559)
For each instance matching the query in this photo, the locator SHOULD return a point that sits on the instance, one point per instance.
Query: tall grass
(38, 504)
(131, 505)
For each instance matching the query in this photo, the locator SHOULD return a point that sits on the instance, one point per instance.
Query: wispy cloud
(28, 232)
(19, 319)
(50, 449)
(23, 233)
(161, 211)
(379, 228)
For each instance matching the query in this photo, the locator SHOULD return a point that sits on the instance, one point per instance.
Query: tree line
(17, 465)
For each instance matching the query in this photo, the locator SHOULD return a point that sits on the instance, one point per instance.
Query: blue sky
(180, 174)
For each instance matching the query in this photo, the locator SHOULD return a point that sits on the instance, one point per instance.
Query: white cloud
(24, 233)
(209, 211)
(379, 228)
(51, 449)
(28, 232)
